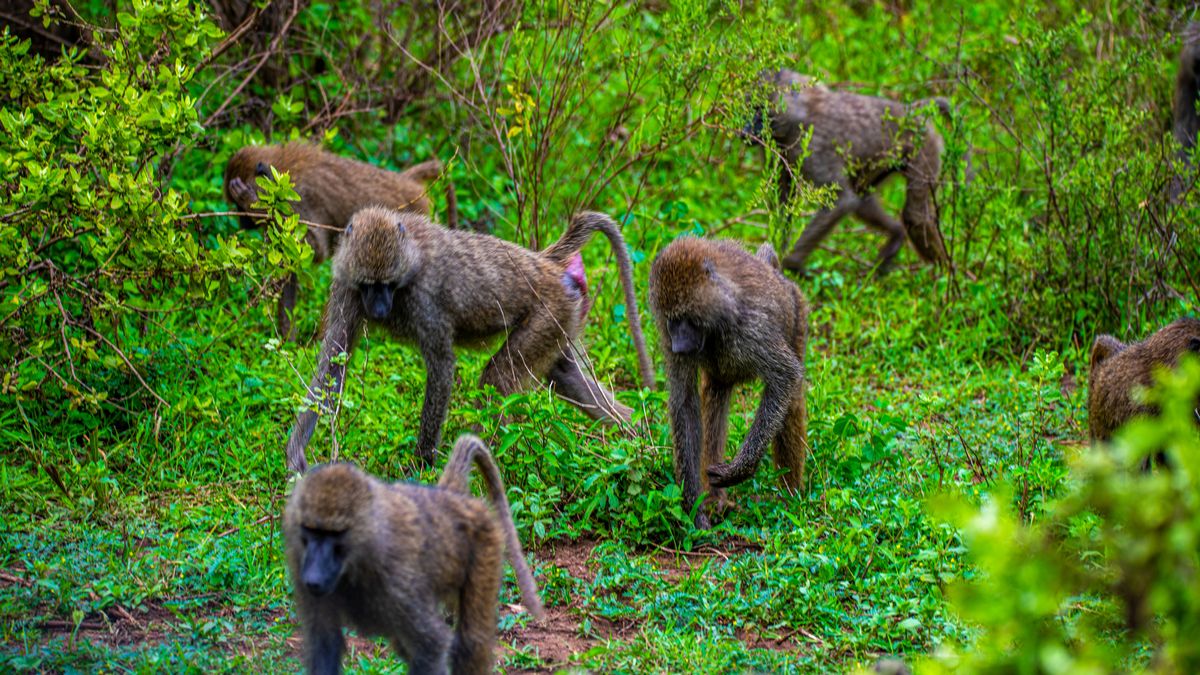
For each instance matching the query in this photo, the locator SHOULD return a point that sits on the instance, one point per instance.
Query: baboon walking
(388, 559)
(331, 189)
(438, 288)
(857, 142)
(727, 317)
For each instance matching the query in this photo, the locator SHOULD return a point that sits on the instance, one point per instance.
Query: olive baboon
(729, 317)
(857, 142)
(1187, 94)
(387, 558)
(1117, 369)
(439, 288)
(331, 189)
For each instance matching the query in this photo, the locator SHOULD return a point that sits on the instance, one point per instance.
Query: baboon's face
(752, 131)
(377, 254)
(324, 560)
(377, 299)
(686, 337)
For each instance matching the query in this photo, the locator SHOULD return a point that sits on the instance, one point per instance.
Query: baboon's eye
(400, 227)
(348, 229)
(262, 170)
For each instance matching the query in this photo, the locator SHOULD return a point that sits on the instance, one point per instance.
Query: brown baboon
(1187, 93)
(331, 189)
(857, 142)
(439, 288)
(388, 558)
(729, 317)
(1117, 369)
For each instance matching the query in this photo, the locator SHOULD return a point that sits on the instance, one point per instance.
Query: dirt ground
(555, 640)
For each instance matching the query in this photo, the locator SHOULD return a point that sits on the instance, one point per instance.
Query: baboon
(437, 288)
(1117, 369)
(388, 558)
(1187, 93)
(331, 189)
(857, 142)
(730, 317)
(891, 666)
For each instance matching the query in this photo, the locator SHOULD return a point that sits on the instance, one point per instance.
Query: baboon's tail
(429, 171)
(945, 108)
(583, 224)
(424, 172)
(1104, 347)
(468, 451)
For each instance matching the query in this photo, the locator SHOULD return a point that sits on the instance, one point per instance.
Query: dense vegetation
(954, 514)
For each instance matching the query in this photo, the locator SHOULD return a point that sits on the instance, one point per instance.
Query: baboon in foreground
(1117, 369)
(331, 189)
(1187, 94)
(388, 558)
(439, 288)
(857, 142)
(729, 317)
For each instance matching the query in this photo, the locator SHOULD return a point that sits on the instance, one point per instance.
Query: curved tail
(424, 172)
(583, 224)
(469, 451)
(428, 171)
(945, 108)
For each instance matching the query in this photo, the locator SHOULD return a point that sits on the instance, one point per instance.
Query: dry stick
(231, 530)
(271, 50)
(128, 364)
(230, 39)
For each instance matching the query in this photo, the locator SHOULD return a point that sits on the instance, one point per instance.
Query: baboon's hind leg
(579, 389)
(528, 354)
(819, 228)
(286, 309)
(475, 635)
(871, 212)
(714, 432)
(791, 444)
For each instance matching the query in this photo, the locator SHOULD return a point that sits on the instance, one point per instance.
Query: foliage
(144, 402)
(1107, 582)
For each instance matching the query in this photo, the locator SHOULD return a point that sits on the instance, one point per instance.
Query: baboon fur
(857, 142)
(1118, 369)
(1186, 123)
(331, 189)
(438, 288)
(727, 317)
(390, 559)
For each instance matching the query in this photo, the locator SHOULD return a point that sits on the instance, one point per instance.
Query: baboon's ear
(1104, 347)
(1193, 344)
(261, 169)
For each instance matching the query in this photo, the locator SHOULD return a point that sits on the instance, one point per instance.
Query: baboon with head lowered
(439, 288)
(857, 142)
(387, 559)
(729, 317)
(331, 189)
(1186, 123)
(1117, 369)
